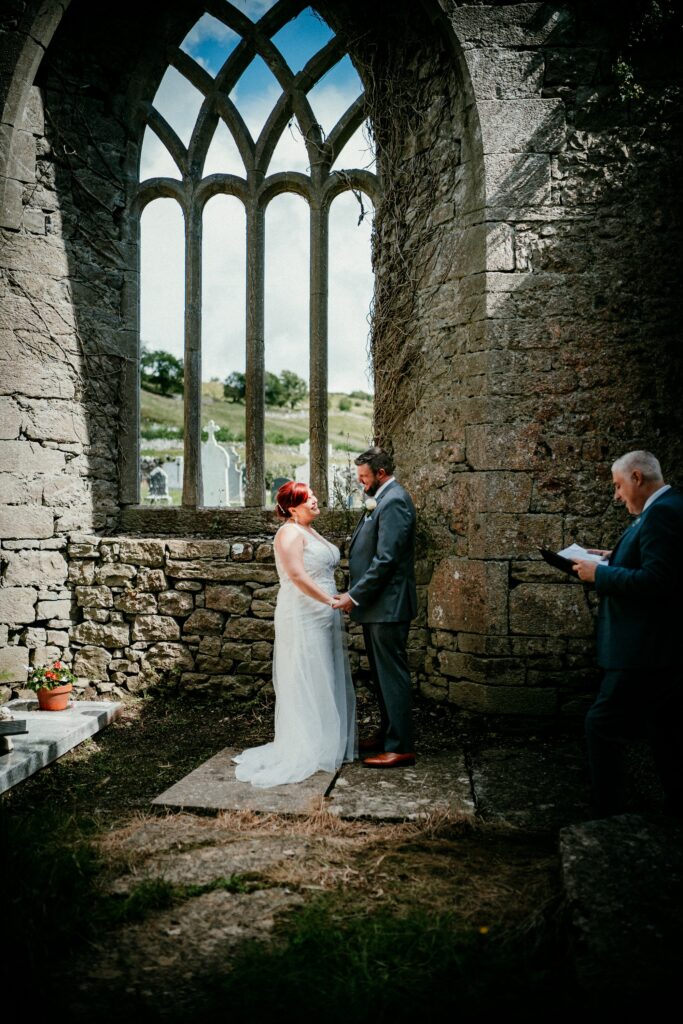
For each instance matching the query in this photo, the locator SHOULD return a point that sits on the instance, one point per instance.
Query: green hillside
(350, 427)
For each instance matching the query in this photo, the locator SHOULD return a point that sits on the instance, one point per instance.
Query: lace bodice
(320, 557)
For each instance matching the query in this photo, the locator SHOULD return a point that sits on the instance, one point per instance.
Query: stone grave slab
(437, 782)
(623, 879)
(541, 787)
(213, 786)
(51, 734)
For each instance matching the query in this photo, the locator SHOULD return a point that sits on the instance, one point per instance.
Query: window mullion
(318, 348)
(255, 357)
(192, 472)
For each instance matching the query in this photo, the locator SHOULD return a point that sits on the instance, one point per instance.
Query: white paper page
(575, 551)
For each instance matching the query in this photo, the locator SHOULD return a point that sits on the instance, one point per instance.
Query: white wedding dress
(315, 703)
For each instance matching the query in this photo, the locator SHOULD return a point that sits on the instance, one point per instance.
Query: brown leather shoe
(373, 742)
(389, 760)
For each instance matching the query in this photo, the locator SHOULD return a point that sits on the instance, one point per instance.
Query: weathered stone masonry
(526, 333)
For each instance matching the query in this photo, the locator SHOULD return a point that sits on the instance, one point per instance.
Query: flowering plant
(370, 506)
(47, 677)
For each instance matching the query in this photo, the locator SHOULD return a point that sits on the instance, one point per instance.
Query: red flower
(58, 664)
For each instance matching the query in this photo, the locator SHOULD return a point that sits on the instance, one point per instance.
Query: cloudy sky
(286, 314)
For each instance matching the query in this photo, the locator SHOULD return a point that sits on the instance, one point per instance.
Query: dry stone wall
(139, 613)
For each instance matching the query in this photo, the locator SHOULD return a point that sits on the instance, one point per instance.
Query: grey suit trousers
(385, 643)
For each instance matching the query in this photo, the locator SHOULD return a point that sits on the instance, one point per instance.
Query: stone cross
(215, 470)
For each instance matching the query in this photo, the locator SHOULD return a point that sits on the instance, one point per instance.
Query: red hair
(288, 497)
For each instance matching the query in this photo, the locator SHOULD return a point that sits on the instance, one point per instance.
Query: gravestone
(235, 476)
(158, 487)
(215, 469)
(174, 471)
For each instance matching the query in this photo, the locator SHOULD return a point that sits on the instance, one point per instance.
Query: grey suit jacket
(640, 618)
(382, 560)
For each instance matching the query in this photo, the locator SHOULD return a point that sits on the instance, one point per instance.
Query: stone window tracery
(251, 144)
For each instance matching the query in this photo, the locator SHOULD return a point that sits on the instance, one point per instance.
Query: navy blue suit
(640, 627)
(382, 571)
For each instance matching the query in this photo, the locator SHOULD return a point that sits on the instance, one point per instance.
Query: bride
(315, 706)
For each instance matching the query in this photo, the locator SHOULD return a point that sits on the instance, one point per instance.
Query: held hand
(585, 570)
(342, 602)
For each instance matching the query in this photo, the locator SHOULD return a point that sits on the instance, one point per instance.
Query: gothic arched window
(250, 127)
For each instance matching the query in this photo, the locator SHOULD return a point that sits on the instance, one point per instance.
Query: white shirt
(657, 494)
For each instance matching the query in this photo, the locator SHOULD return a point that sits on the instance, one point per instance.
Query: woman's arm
(290, 549)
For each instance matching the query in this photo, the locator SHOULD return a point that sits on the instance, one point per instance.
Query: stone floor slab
(437, 782)
(623, 879)
(541, 787)
(51, 734)
(213, 786)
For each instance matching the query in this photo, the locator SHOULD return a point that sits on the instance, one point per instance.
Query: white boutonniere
(370, 506)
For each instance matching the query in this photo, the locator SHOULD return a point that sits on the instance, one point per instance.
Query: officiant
(640, 622)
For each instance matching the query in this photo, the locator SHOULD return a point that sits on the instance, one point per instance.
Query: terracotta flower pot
(55, 699)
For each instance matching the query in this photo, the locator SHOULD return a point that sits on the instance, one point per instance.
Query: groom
(382, 596)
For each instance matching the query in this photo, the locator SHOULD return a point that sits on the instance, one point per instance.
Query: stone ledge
(51, 734)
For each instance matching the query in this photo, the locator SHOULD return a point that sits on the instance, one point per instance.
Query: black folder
(558, 561)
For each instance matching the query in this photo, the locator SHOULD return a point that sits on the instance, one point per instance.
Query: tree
(294, 389)
(235, 387)
(274, 392)
(161, 372)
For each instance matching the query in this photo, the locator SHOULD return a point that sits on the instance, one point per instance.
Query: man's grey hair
(644, 461)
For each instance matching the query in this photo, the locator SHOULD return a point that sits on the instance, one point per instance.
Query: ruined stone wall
(526, 333)
(572, 358)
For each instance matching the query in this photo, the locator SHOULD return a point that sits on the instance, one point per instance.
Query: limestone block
(236, 652)
(210, 646)
(100, 634)
(18, 490)
(37, 567)
(57, 638)
(33, 221)
(115, 574)
(174, 602)
(494, 535)
(155, 627)
(94, 597)
(45, 655)
(23, 157)
(544, 609)
(151, 579)
(514, 181)
(198, 548)
(84, 547)
(525, 24)
(27, 457)
(264, 553)
(26, 521)
(269, 594)
(228, 599)
(468, 595)
(241, 552)
(10, 419)
(502, 700)
(168, 656)
(142, 552)
(250, 629)
(34, 637)
(505, 74)
(97, 614)
(53, 420)
(262, 609)
(11, 207)
(34, 114)
(204, 621)
(53, 610)
(495, 671)
(138, 601)
(505, 447)
(14, 664)
(500, 247)
(262, 651)
(92, 663)
(215, 570)
(522, 126)
(82, 573)
(189, 586)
